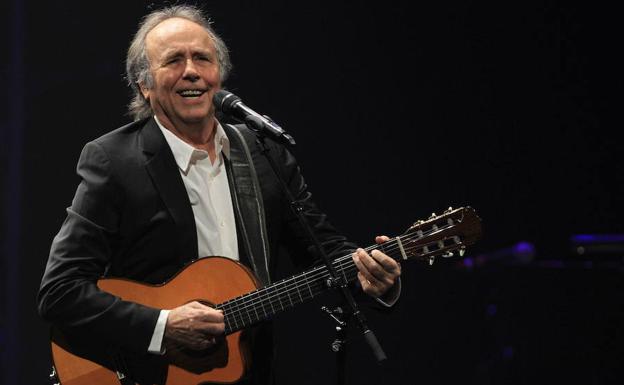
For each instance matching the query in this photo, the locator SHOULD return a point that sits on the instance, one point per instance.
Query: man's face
(183, 63)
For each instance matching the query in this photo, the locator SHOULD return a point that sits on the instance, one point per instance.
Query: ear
(144, 90)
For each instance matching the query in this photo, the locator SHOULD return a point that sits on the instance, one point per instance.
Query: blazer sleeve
(81, 253)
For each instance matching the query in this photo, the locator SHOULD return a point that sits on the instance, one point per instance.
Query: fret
(285, 291)
(259, 306)
(276, 296)
(299, 292)
(290, 299)
(279, 296)
(256, 311)
(263, 309)
(228, 328)
(270, 302)
(346, 280)
(305, 276)
(248, 315)
(235, 323)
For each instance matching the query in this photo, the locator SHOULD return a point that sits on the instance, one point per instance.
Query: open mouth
(191, 93)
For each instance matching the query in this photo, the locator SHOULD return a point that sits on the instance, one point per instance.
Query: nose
(190, 71)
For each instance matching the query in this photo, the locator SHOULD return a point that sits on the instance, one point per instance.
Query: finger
(213, 329)
(202, 343)
(381, 239)
(374, 269)
(362, 268)
(212, 322)
(367, 286)
(211, 315)
(196, 305)
(204, 307)
(389, 264)
(365, 271)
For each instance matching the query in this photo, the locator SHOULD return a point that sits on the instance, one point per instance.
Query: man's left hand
(377, 271)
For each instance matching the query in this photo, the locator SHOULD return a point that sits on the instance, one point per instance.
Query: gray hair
(137, 62)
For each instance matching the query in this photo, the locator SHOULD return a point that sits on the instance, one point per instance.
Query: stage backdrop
(399, 109)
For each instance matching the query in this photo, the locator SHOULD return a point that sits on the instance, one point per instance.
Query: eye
(203, 57)
(172, 60)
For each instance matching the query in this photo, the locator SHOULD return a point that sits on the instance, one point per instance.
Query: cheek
(164, 80)
(213, 75)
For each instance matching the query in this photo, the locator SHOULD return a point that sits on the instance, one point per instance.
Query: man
(173, 186)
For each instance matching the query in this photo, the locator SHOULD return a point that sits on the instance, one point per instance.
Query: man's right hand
(194, 325)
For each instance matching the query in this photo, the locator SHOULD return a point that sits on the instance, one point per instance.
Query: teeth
(191, 93)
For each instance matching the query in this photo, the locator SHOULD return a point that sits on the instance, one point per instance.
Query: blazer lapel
(164, 172)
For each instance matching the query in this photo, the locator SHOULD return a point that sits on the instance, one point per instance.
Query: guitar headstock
(441, 235)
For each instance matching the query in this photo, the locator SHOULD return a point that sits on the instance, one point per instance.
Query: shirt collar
(184, 153)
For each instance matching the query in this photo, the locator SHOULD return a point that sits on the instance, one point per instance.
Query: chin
(195, 114)
(195, 118)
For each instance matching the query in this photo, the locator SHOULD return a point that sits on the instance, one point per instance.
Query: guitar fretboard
(264, 303)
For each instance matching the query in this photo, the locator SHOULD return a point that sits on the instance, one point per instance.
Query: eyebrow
(177, 52)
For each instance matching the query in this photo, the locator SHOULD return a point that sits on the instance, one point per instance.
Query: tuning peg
(418, 223)
(448, 210)
(431, 260)
(462, 251)
(448, 254)
(433, 215)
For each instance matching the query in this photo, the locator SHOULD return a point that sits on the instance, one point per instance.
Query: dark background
(399, 109)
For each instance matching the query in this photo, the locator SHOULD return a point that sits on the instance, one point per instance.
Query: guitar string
(289, 286)
(237, 313)
(317, 271)
(345, 264)
(314, 289)
(241, 321)
(317, 287)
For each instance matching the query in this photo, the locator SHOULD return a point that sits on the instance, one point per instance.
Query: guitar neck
(264, 303)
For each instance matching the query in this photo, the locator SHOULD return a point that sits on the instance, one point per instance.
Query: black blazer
(131, 217)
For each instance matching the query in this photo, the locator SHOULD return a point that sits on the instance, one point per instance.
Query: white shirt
(208, 190)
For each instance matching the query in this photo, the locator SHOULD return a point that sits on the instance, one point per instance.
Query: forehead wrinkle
(179, 51)
(169, 29)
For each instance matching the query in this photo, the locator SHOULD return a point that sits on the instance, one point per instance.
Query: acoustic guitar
(227, 285)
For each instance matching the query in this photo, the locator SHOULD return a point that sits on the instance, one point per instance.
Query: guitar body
(211, 280)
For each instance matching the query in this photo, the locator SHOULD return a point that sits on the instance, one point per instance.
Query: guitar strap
(248, 203)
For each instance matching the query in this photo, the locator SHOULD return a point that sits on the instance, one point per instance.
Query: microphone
(233, 106)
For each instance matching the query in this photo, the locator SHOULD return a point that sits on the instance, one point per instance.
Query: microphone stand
(335, 281)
